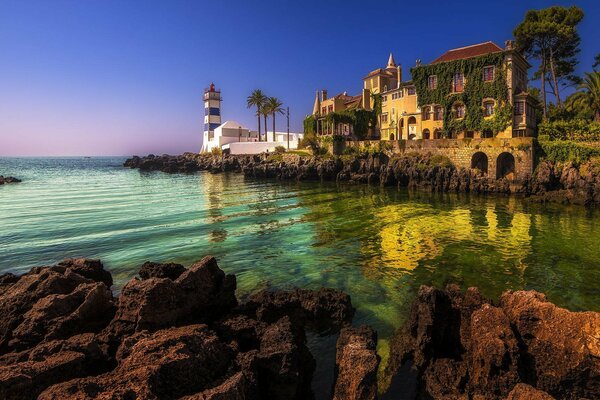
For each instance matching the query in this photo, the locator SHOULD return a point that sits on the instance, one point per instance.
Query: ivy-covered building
(475, 91)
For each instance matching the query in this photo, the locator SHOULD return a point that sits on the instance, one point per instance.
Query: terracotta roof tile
(468, 52)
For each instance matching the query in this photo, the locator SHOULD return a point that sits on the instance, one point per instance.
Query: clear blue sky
(126, 77)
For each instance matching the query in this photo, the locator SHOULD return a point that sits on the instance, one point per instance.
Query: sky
(103, 77)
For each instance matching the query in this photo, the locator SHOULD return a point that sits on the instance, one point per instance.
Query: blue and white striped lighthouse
(212, 114)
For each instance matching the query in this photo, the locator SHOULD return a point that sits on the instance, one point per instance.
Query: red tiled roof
(468, 52)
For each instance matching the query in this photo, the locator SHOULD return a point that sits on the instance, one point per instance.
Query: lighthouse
(212, 115)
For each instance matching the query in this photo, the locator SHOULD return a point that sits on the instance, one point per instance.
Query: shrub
(279, 149)
(440, 161)
(578, 130)
(565, 150)
(216, 151)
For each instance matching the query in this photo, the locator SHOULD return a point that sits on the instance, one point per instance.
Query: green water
(377, 244)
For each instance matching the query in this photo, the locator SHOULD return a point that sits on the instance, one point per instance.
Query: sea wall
(492, 156)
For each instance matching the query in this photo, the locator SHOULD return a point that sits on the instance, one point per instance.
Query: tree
(274, 106)
(257, 99)
(377, 108)
(596, 62)
(264, 111)
(550, 36)
(588, 94)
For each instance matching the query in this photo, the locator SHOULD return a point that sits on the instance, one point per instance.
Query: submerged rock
(8, 179)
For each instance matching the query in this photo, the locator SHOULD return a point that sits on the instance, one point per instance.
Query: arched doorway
(480, 161)
(426, 134)
(437, 134)
(391, 136)
(412, 127)
(505, 166)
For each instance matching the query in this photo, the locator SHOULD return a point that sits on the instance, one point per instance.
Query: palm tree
(264, 111)
(257, 99)
(589, 94)
(274, 106)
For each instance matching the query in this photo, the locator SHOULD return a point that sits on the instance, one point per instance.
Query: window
(459, 111)
(324, 110)
(385, 88)
(393, 111)
(458, 82)
(330, 108)
(383, 99)
(427, 113)
(488, 74)
(519, 108)
(396, 95)
(487, 134)
(411, 91)
(384, 118)
(432, 82)
(488, 108)
(438, 113)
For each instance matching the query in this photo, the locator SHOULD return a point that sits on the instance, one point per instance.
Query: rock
(356, 364)
(285, 365)
(464, 347)
(48, 301)
(562, 348)
(523, 391)
(26, 374)
(326, 310)
(8, 179)
(201, 293)
(171, 271)
(169, 363)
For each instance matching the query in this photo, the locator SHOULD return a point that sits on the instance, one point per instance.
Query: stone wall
(494, 154)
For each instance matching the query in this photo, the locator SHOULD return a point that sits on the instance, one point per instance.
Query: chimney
(509, 45)
(323, 94)
(366, 99)
(399, 68)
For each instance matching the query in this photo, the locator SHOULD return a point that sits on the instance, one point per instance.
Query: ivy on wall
(358, 118)
(475, 91)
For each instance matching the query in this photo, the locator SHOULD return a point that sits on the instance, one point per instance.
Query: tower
(212, 116)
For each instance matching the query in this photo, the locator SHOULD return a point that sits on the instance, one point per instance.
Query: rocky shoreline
(551, 182)
(181, 333)
(8, 179)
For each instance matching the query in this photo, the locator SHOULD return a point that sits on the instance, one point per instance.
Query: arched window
(437, 134)
(458, 82)
(426, 113)
(438, 113)
(488, 108)
(426, 134)
(459, 110)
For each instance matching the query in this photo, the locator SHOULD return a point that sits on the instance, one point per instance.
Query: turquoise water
(377, 244)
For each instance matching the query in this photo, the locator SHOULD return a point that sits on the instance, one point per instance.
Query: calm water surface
(379, 245)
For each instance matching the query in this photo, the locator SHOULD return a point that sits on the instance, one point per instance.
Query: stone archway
(426, 134)
(505, 166)
(480, 161)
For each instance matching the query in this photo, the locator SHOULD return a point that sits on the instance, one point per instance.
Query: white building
(232, 136)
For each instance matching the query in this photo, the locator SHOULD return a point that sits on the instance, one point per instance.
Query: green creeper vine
(475, 91)
(359, 118)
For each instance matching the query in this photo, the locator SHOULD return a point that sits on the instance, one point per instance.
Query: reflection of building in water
(214, 187)
(411, 234)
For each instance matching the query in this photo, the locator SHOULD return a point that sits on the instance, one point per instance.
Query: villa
(477, 91)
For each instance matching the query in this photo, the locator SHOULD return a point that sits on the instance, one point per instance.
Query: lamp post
(239, 133)
(288, 128)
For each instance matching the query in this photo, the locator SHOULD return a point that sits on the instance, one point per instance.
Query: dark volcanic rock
(464, 347)
(356, 364)
(52, 303)
(8, 179)
(200, 293)
(525, 392)
(171, 271)
(166, 364)
(325, 310)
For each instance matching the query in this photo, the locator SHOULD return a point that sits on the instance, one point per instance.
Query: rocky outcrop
(8, 179)
(463, 345)
(356, 364)
(551, 182)
(173, 333)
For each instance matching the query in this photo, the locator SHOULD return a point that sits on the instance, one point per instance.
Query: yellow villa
(477, 91)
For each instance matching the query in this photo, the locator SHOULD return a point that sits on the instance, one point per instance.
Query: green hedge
(566, 150)
(577, 130)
